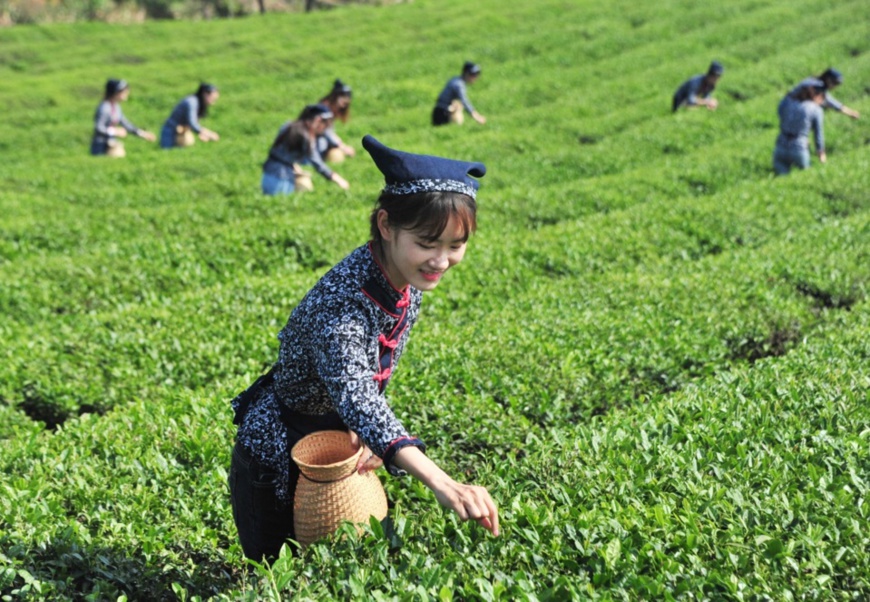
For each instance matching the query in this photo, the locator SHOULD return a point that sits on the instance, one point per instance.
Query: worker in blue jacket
(697, 91)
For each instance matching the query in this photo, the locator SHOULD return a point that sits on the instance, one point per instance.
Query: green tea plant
(654, 354)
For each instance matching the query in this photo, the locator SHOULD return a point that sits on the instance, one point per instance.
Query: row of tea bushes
(768, 292)
(653, 354)
(751, 481)
(587, 343)
(111, 333)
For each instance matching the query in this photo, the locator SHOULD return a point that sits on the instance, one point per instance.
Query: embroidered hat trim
(430, 185)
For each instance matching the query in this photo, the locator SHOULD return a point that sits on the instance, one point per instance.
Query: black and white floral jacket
(336, 355)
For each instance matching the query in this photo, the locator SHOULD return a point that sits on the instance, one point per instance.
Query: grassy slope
(657, 258)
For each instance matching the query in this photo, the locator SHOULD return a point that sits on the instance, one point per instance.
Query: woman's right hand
(470, 502)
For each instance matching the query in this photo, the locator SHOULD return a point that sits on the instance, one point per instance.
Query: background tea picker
(110, 123)
(332, 148)
(800, 114)
(183, 122)
(830, 78)
(697, 91)
(454, 98)
(295, 145)
(342, 344)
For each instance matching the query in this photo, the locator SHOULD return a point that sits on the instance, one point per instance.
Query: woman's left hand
(342, 183)
(368, 460)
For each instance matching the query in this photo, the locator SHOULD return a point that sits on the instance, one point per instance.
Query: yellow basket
(330, 490)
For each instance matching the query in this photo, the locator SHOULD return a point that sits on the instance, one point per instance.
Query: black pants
(440, 116)
(263, 522)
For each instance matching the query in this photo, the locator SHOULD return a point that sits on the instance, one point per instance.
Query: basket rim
(331, 432)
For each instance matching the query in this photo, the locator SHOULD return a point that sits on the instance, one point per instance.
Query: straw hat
(330, 490)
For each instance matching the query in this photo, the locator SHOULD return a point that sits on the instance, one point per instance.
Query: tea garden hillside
(653, 355)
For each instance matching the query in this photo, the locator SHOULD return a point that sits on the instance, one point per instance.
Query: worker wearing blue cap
(831, 78)
(799, 114)
(183, 122)
(295, 145)
(342, 344)
(329, 145)
(697, 91)
(110, 123)
(454, 98)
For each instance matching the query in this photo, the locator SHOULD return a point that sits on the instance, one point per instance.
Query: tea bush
(654, 354)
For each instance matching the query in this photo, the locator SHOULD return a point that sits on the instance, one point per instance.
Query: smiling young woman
(341, 345)
(417, 247)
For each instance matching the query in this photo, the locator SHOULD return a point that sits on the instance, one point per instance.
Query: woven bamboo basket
(303, 182)
(335, 155)
(457, 114)
(184, 136)
(116, 149)
(330, 490)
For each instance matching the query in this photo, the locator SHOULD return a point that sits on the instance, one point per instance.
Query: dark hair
(295, 137)
(114, 86)
(470, 68)
(809, 91)
(201, 93)
(831, 76)
(425, 213)
(312, 111)
(339, 89)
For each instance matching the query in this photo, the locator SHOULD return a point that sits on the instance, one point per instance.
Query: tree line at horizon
(20, 12)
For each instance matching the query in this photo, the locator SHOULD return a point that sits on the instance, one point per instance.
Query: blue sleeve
(818, 123)
(692, 90)
(832, 103)
(126, 123)
(316, 160)
(462, 93)
(103, 118)
(330, 135)
(192, 110)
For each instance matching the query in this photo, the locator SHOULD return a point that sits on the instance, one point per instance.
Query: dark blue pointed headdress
(407, 173)
(833, 75)
(113, 86)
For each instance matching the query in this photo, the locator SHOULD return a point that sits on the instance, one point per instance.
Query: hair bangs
(427, 213)
(433, 219)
